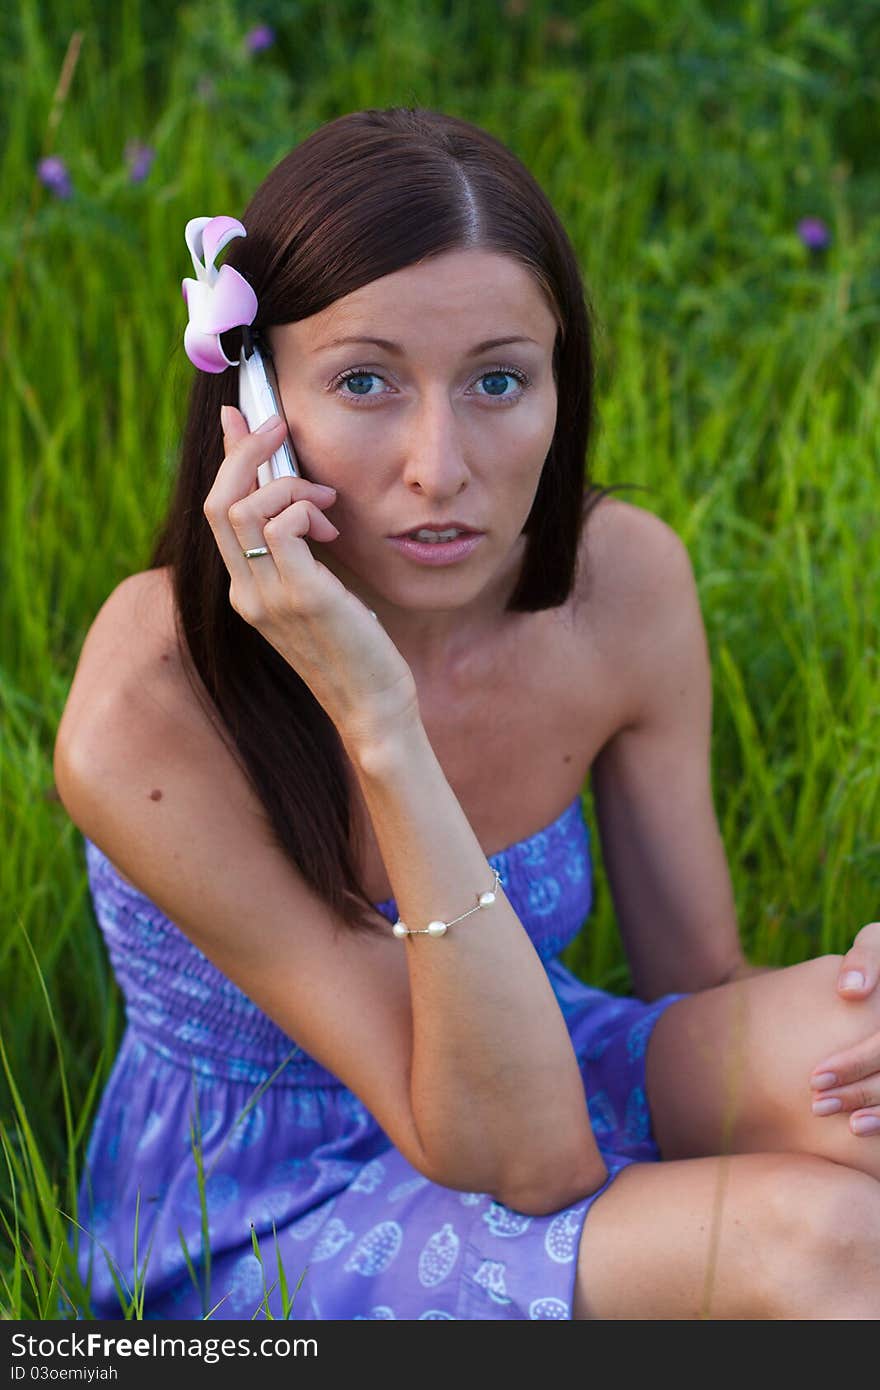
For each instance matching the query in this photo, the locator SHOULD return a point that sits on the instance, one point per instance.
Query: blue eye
(497, 375)
(362, 374)
(355, 374)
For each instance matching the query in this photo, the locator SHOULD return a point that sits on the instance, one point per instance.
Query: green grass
(681, 143)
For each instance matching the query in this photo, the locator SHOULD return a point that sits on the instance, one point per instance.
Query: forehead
(461, 295)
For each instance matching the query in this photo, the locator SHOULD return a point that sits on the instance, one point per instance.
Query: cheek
(533, 438)
(327, 451)
(546, 427)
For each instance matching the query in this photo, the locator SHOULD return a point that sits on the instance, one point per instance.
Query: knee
(820, 1224)
(818, 976)
(795, 1017)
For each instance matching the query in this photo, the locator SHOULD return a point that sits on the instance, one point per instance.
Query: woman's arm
(494, 1081)
(661, 846)
(496, 1089)
(457, 1045)
(663, 852)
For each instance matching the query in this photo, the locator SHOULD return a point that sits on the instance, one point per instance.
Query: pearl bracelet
(401, 930)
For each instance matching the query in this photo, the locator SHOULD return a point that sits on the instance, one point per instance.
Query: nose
(435, 459)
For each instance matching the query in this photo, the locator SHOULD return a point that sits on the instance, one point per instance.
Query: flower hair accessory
(218, 299)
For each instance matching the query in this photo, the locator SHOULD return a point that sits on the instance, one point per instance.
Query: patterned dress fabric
(290, 1156)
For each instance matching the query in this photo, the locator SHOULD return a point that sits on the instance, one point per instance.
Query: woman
(278, 756)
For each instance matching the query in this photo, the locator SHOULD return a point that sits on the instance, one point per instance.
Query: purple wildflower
(259, 38)
(813, 233)
(139, 158)
(52, 172)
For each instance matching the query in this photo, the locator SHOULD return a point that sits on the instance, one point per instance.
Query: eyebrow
(398, 351)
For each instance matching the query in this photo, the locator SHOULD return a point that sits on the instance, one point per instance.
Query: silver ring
(258, 550)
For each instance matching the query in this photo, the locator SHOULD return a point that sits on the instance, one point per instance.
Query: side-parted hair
(365, 195)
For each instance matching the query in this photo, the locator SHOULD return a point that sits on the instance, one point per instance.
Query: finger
(249, 515)
(844, 1068)
(236, 429)
(236, 479)
(295, 568)
(866, 1122)
(848, 1098)
(303, 520)
(233, 423)
(860, 967)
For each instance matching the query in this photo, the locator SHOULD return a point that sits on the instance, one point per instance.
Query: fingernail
(823, 1080)
(865, 1124)
(267, 425)
(853, 979)
(224, 418)
(829, 1106)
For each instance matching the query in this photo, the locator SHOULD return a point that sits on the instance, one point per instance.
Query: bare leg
(752, 1236)
(761, 1209)
(728, 1069)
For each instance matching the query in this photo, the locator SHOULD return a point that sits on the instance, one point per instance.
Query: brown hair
(366, 194)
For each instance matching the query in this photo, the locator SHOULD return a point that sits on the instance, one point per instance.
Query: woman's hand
(322, 630)
(850, 1080)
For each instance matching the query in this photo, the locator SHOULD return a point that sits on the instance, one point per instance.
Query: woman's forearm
(497, 1095)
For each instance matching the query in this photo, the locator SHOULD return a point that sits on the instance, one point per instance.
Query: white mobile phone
(258, 399)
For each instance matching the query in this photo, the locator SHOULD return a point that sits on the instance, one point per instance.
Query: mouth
(439, 552)
(435, 535)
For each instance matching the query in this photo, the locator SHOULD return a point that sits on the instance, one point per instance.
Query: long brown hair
(365, 195)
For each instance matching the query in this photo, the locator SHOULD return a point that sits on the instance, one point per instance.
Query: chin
(360, 571)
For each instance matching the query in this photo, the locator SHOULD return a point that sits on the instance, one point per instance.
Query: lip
(440, 526)
(439, 552)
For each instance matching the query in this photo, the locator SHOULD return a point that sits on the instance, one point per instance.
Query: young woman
(278, 757)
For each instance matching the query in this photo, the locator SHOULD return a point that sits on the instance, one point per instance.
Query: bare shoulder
(130, 654)
(628, 555)
(137, 621)
(129, 691)
(635, 587)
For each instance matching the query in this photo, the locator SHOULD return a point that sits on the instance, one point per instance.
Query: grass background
(681, 142)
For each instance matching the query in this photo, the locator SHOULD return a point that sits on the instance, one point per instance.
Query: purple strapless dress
(285, 1145)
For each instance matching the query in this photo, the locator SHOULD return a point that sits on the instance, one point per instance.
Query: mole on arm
(155, 794)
